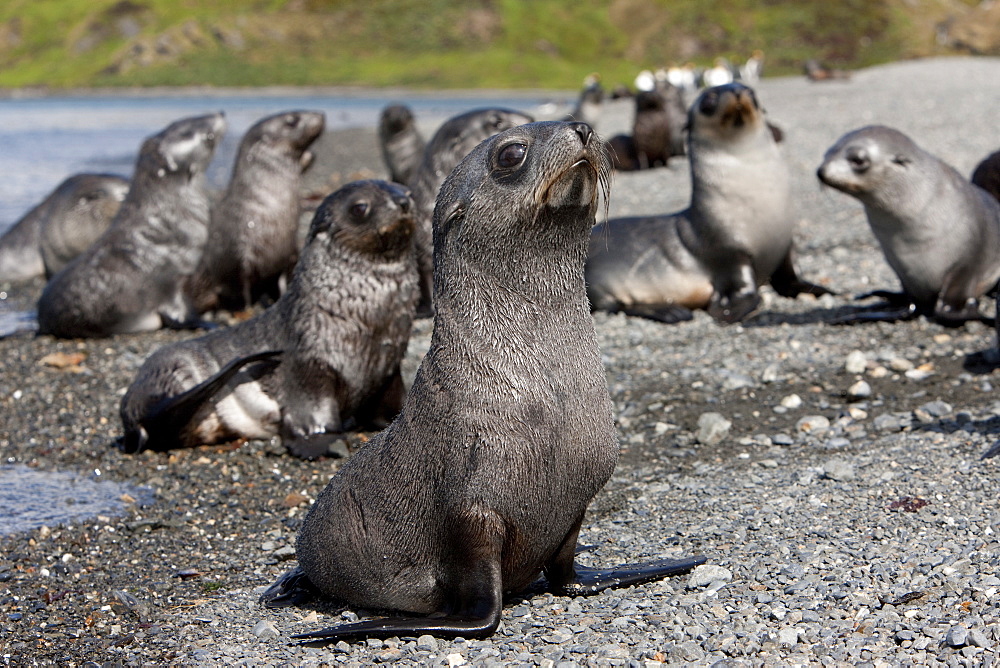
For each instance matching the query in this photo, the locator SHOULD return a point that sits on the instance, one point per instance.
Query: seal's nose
(584, 130)
(403, 200)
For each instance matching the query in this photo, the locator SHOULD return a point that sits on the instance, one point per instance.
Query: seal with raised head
(938, 232)
(131, 278)
(401, 142)
(481, 483)
(452, 142)
(735, 235)
(322, 358)
(253, 237)
(61, 226)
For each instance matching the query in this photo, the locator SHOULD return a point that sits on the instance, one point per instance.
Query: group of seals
(939, 232)
(61, 227)
(449, 144)
(325, 355)
(507, 433)
(131, 278)
(735, 235)
(253, 239)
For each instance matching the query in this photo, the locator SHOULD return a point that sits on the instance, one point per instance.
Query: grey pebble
(839, 469)
(856, 362)
(813, 424)
(859, 390)
(712, 428)
(265, 630)
(957, 636)
(707, 574)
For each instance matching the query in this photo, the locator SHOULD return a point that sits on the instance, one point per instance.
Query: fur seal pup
(326, 354)
(61, 226)
(452, 142)
(735, 235)
(131, 278)
(986, 175)
(401, 142)
(253, 237)
(481, 483)
(938, 232)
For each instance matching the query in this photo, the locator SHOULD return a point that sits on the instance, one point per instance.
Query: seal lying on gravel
(482, 481)
(341, 329)
(401, 142)
(253, 234)
(452, 141)
(61, 227)
(130, 279)
(939, 233)
(735, 235)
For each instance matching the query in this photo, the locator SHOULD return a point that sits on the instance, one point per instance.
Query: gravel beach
(831, 475)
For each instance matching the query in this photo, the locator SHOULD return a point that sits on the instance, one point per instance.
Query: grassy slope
(435, 43)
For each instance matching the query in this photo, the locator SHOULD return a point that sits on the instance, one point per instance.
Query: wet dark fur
(253, 235)
(401, 142)
(482, 481)
(342, 328)
(61, 226)
(131, 278)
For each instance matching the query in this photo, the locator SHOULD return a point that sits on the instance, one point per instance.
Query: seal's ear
(453, 215)
(901, 160)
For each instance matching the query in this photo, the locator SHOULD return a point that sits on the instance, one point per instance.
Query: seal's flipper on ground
(593, 580)
(660, 313)
(13, 323)
(292, 588)
(878, 313)
(159, 428)
(786, 282)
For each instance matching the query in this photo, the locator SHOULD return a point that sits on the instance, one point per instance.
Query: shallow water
(45, 139)
(31, 499)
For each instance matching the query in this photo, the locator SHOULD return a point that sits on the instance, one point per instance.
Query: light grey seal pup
(481, 483)
(61, 226)
(131, 278)
(253, 238)
(939, 232)
(401, 142)
(735, 235)
(452, 142)
(324, 356)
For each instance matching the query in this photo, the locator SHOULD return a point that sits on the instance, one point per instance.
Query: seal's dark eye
(291, 120)
(709, 103)
(359, 209)
(512, 156)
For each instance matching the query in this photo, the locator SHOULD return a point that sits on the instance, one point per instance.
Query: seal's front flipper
(735, 292)
(292, 588)
(473, 591)
(593, 580)
(158, 429)
(665, 313)
(786, 282)
(879, 313)
(893, 298)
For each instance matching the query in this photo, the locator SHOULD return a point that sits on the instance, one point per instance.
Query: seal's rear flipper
(292, 588)
(311, 446)
(593, 580)
(171, 414)
(894, 298)
(448, 626)
(13, 323)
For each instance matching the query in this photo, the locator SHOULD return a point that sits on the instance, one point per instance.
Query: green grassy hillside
(440, 43)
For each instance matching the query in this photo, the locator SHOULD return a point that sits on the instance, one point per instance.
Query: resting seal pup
(735, 235)
(61, 227)
(482, 481)
(452, 142)
(939, 232)
(401, 142)
(325, 355)
(131, 278)
(253, 238)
